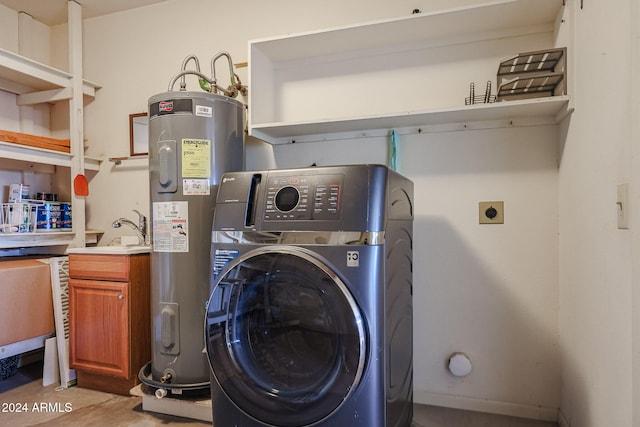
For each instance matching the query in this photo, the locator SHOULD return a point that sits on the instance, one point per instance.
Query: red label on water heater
(166, 106)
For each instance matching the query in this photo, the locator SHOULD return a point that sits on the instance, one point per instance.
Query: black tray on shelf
(533, 74)
(522, 87)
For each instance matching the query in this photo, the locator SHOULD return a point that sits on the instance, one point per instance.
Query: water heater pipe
(184, 73)
(183, 83)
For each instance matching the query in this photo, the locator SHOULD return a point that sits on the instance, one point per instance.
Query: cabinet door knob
(121, 296)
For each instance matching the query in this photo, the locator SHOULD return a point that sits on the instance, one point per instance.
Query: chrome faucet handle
(142, 224)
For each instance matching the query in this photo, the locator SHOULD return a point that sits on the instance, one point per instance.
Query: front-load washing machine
(309, 322)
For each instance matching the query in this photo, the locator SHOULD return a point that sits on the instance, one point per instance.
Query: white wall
(635, 213)
(487, 290)
(8, 29)
(22, 34)
(490, 291)
(596, 259)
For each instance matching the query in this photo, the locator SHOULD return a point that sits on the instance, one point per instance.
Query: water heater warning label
(196, 158)
(196, 187)
(170, 227)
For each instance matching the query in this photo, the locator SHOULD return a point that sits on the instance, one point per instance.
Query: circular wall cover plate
(459, 364)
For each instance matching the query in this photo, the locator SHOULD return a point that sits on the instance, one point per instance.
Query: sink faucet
(141, 228)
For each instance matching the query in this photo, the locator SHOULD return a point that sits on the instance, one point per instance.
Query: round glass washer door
(285, 339)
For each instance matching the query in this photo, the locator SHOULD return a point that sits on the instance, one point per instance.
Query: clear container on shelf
(18, 217)
(35, 216)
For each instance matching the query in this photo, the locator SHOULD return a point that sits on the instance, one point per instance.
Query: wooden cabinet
(109, 315)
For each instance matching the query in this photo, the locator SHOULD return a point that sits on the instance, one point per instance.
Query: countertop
(112, 250)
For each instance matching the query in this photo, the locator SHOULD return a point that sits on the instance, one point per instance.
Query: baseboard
(31, 356)
(540, 413)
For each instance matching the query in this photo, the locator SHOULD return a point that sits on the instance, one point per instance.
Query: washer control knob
(287, 199)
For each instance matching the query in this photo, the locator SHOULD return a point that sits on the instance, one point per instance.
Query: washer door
(285, 338)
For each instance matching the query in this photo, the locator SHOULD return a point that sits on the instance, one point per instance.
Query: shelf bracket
(117, 161)
(44, 96)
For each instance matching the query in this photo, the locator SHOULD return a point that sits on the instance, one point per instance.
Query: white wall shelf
(43, 238)
(549, 110)
(409, 71)
(42, 156)
(35, 82)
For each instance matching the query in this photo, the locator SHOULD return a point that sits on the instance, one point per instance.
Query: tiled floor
(82, 407)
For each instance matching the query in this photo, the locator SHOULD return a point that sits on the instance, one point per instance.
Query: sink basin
(112, 250)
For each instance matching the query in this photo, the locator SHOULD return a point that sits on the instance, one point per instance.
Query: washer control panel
(304, 197)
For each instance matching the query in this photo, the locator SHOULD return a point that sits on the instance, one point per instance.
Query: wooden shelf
(42, 156)
(318, 82)
(43, 238)
(35, 82)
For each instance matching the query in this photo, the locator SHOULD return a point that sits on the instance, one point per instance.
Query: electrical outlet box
(622, 200)
(491, 212)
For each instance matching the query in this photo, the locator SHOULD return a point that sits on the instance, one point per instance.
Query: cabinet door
(99, 326)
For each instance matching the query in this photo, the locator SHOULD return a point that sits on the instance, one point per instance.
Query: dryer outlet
(491, 212)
